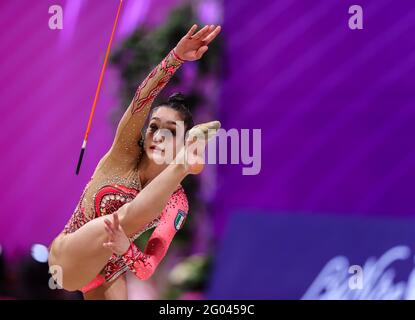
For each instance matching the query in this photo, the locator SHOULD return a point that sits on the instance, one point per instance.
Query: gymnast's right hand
(118, 241)
(192, 46)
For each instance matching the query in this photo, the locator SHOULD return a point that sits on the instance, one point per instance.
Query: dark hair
(177, 102)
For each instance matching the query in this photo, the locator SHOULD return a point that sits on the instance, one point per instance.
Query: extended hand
(118, 241)
(192, 46)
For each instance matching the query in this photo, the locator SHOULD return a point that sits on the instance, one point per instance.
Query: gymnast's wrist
(128, 251)
(177, 56)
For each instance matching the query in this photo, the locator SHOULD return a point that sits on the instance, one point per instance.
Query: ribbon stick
(94, 104)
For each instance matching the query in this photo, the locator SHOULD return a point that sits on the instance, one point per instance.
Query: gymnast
(131, 190)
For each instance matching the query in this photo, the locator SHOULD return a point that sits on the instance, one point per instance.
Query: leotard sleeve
(125, 146)
(143, 264)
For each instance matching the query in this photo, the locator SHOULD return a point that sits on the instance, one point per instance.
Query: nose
(158, 136)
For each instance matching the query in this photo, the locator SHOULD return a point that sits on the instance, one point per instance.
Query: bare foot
(196, 141)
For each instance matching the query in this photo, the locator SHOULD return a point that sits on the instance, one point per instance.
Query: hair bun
(177, 98)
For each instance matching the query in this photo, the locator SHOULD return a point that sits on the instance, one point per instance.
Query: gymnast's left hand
(118, 241)
(193, 46)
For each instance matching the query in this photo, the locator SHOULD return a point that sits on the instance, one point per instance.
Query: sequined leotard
(116, 182)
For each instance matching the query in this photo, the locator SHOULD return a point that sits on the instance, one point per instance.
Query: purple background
(48, 83)
(294, 252)
(336, 107)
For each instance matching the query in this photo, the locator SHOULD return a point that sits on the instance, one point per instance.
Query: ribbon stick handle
(94, 104)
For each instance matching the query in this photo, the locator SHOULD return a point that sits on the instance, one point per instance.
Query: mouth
(156, 148)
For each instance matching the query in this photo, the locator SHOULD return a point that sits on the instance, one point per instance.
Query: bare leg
(79, 262)
(80, 254)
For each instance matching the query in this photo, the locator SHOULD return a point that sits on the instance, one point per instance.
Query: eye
(173, 132)
(153, 127)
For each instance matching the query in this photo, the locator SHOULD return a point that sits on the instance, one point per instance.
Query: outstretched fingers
(116, 221)
(201, 33)
(109, 228)
(191, 31)
(212, 35)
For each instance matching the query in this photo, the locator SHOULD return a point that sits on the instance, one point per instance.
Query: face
(164, 135)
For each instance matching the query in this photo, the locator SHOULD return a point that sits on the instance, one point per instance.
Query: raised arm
(190, 47)
(129, 128)
(143, 264)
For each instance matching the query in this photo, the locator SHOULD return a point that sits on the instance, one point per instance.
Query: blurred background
(333, 203)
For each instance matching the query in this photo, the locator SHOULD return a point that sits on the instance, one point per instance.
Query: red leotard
(143, 264)
(116, 182)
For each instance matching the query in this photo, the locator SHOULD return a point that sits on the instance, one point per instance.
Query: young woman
(131, 190)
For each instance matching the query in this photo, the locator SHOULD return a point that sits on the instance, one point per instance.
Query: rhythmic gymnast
(131, 192)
